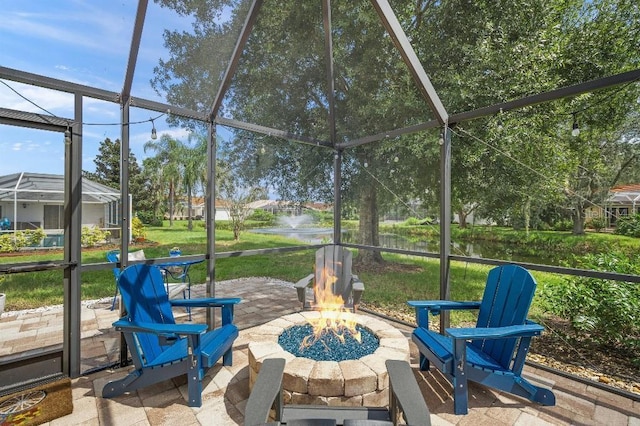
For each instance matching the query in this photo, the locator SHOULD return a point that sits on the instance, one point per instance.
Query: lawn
(387, 288)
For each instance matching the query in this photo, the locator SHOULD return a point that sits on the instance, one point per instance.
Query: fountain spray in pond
(294, 222)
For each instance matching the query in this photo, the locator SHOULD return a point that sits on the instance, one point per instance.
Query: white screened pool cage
(445, 110)
(30, 201)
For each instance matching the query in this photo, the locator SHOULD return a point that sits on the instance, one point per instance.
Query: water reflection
(485, 249)
(306, 235)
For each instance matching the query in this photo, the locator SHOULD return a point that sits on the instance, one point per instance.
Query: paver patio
(226, 389)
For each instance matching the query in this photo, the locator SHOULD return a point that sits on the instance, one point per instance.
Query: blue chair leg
(186, 275)
(424, 363)
(460, 392)
(115, 297)
(227, 358)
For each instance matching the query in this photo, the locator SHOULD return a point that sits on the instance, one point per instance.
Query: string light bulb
(67, 136)
(396, 159)
(575, 129)
(500, 125)
(154, 134)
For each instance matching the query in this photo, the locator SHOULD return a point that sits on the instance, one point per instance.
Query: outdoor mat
(37, 405)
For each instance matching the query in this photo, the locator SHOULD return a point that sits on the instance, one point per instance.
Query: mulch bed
(557, 349)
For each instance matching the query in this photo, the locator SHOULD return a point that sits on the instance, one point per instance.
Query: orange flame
(334, 317)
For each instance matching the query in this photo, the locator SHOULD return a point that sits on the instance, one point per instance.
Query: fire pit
(362, 381)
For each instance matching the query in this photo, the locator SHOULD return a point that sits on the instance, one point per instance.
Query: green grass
(407, 277)
(35, 289)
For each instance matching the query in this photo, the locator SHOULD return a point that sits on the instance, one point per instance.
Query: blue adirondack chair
(160, 348)
(493, 353)
(113, 256)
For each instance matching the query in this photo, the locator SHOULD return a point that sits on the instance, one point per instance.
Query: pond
(484, 249)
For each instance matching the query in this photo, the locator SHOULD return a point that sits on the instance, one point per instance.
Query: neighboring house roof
(199, 202)
(632, 187)
(39, 187)
(319, 206)
(261, 204)
(624, 194)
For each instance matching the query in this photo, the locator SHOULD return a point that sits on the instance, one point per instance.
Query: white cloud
(182, 134)
(17, 146)
(33, 99)
(85, 26)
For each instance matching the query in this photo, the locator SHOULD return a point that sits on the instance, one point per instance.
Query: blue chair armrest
(424, 307)
(226, 304)
(165, 330)
(441, 305)
(208, 302)
(526, 330)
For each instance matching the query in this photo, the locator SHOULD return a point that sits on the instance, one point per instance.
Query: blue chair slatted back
(335, 261)
(507, 297)
(146, 301)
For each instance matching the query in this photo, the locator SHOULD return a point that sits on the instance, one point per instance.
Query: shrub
(11, 242)
(562, 225)
(412, 221)
(33, 237)
(91, 237)
(260, 215)
(628, 225)
(149, 218)
(137, 228)
(605, 311)
(597, 223)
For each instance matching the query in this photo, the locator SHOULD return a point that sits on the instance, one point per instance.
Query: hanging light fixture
(67, 135)
(575, 129)
(154, 134)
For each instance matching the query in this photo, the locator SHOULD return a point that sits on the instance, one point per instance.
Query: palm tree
(194, 169)
(169, 154)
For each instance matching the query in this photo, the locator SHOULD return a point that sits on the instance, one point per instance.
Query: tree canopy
(107, 172)
(510, 168)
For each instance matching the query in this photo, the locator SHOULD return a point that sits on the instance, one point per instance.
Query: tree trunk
(189, 221)
(368, 231)
(526, 210)
(171, 196)
(462, 219)
(578, 217)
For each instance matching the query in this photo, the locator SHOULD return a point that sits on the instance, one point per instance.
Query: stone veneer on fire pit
(359, 382)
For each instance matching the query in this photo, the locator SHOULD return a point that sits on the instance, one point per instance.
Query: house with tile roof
(623, 200)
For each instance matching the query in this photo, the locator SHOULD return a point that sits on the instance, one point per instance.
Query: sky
(85, 42)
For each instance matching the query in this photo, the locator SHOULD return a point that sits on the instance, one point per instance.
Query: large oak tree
(476, 52)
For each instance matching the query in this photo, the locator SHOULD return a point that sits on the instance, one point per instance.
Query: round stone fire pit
(357, 382)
